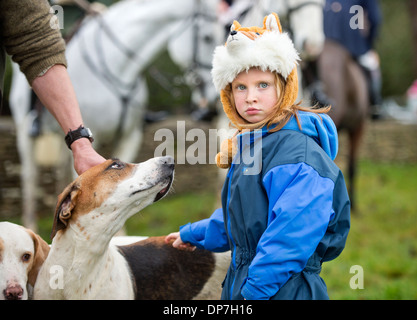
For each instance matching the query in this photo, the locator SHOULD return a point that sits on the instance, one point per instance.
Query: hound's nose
(168, 161)
(13, 292)
(232, 33)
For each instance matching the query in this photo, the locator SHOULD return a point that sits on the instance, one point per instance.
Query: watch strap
(74, 135)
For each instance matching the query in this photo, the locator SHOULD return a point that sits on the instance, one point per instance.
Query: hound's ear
(41, 252)
(271, 22)
(66, 203)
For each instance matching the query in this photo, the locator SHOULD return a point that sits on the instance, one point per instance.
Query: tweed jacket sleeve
(26, 35)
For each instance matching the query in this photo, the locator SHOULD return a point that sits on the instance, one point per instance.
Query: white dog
(22, 253)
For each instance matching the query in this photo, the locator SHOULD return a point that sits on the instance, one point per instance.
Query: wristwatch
(79, 133)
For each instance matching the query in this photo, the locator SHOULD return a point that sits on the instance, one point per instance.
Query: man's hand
(84, 155)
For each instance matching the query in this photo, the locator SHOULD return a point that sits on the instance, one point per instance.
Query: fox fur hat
(266, 48)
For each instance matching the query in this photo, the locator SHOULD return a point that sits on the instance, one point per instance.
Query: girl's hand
(177, 242)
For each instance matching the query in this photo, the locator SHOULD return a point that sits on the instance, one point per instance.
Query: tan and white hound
(83, 262)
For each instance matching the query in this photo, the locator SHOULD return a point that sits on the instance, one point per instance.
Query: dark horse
(346, 85)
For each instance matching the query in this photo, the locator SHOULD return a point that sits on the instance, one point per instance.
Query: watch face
(90, 134)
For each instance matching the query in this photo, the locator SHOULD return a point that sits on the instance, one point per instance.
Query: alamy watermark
(357, 280)
(56, 279)
(249, 153)
(357, 21)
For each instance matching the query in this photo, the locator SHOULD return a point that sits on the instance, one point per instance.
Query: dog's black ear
(66, 203)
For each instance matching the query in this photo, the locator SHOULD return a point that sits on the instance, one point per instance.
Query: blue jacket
(337, 18)
(282, 220)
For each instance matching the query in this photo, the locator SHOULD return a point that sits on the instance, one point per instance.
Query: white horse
(106, 59)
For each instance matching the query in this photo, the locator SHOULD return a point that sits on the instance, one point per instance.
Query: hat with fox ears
(266, 48)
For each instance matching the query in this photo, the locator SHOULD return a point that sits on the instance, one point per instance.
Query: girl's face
(255, 94)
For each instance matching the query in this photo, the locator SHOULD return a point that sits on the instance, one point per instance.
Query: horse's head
(192, 48)
(306, 23)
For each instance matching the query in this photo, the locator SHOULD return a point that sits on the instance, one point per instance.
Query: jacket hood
(319, 127)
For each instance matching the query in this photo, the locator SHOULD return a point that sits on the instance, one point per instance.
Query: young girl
(284, 220)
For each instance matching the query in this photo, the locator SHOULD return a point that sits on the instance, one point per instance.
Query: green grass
(383, 236)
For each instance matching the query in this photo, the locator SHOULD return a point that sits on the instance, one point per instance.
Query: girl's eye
(241, 87)
(263, 85)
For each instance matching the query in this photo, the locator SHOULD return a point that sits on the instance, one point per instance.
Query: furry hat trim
(266, 48)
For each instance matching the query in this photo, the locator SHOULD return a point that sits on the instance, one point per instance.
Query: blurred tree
(395, 47)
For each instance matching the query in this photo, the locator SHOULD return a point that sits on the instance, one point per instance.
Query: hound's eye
(116, 165)
(26, 257)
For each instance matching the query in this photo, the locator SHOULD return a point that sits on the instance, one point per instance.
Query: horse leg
(360, 99)
(64, 170)
(331, 67)
(29, 180)
(28, 176)
(355, 137)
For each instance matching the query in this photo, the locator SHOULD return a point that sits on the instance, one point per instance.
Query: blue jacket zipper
(229, 226)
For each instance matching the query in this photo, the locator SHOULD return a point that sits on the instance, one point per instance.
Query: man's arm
(56, 93)
(40, 52)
